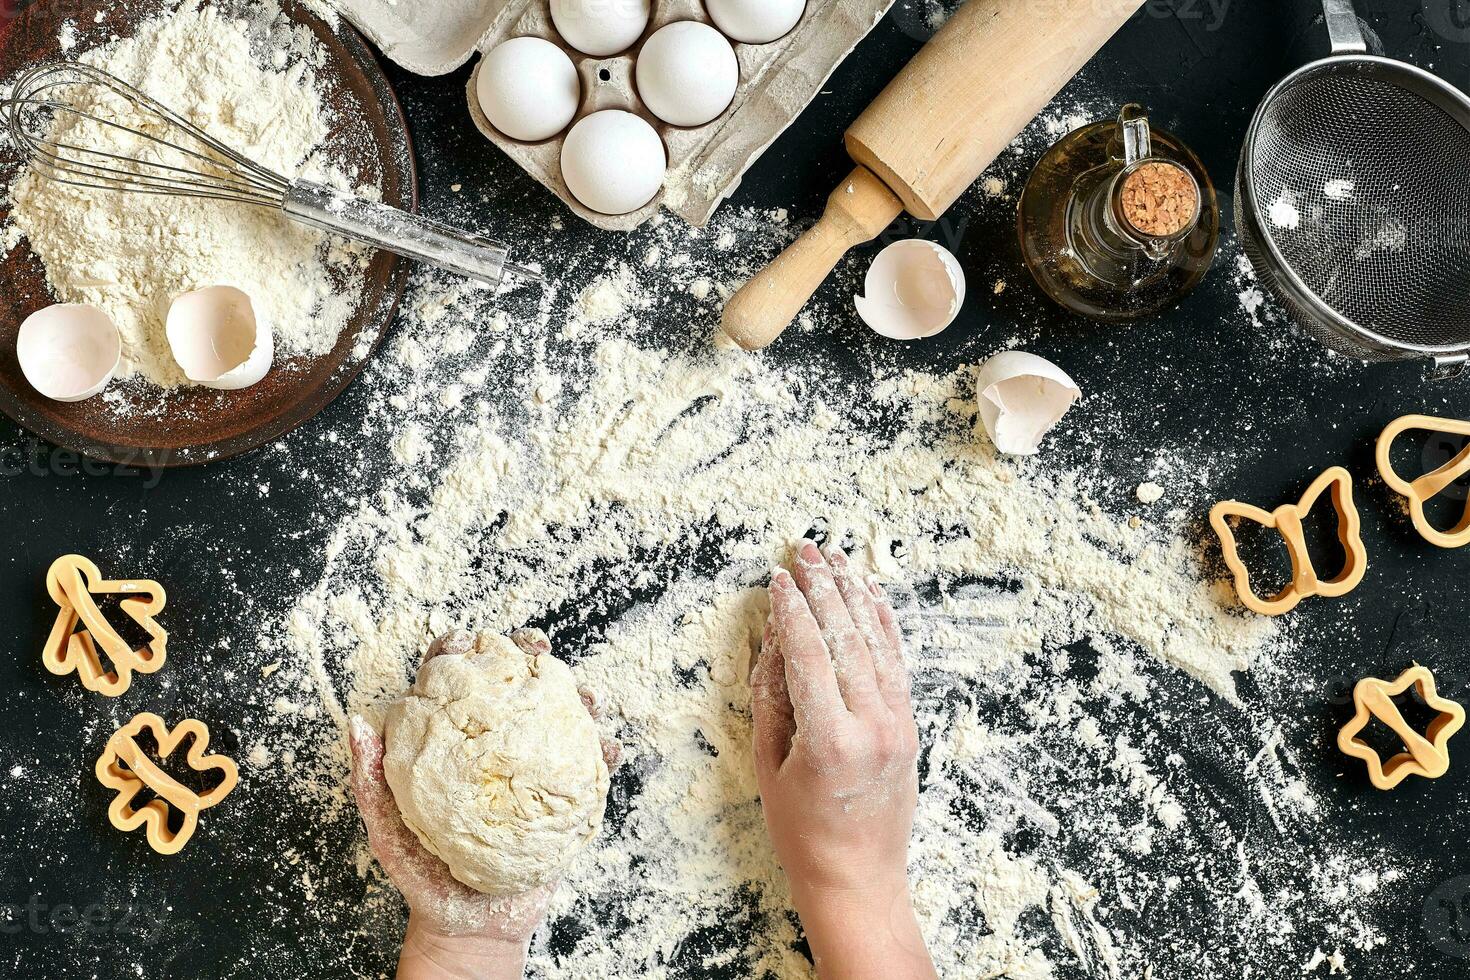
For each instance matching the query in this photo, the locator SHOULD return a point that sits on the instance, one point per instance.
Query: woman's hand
(453, 930)
(836, 752)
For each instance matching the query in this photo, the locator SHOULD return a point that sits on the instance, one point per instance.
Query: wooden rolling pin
(928, 136)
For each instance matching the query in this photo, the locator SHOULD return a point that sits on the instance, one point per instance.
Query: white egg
(687, 73)
(755, 21)
(68, 352)
(600, 27)
(216, 339)
(528, 89)
(613, 161)
(914, 290)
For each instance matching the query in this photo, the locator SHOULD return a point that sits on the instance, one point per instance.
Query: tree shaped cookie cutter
(1430, 485)
(125, 767)
(1426, 755)
(73, 582)
(1288, 519)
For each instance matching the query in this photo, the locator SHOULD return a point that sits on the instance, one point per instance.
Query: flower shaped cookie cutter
(74, 582)
(1432, 484)
(1425, 755)
(1305, 582)
(126, 768)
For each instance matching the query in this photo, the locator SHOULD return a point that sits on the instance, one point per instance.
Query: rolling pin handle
(857, 212)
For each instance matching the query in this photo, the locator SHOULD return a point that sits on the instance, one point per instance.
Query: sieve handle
(1342, 27)
(1449, 367)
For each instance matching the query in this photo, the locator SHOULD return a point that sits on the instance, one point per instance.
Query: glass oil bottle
(1119, 220)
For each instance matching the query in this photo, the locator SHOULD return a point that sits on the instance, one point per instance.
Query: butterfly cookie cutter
(1430, 485)
(1426, 755)
(73, 582)
(126, 768)
(1305, 582)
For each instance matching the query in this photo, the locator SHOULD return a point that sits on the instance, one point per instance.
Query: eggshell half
(1022, 397)
(217, 340)
(69, 352)
(914, 289)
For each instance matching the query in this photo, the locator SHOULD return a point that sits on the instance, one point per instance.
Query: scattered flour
(1284, 213)
(653, 494)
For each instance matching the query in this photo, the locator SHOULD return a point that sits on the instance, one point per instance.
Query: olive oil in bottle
(1119, 220)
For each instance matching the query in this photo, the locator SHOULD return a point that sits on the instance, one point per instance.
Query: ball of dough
(600, 27)
(496, 765)
(528, 89)
(613, 161)
(687, 73)
(755, 21)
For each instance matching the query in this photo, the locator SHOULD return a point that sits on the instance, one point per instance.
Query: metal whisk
(1353, 201)
(164, 153)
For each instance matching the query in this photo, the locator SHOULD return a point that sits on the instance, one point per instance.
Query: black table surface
(1200, 377)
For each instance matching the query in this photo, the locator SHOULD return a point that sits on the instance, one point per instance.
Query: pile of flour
(250, 80)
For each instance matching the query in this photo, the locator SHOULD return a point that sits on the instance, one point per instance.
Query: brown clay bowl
(196, 425)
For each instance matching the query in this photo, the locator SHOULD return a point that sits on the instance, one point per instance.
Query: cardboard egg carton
(777, 81)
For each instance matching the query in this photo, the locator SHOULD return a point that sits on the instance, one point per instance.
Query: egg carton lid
(426, 38)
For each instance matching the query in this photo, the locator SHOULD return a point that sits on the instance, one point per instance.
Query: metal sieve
(1353, 202)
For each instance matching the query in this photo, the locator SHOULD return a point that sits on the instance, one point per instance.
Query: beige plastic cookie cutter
(74, 582)
(1305, 582)
(1430, 485)
(1425, 755)
(126, 768)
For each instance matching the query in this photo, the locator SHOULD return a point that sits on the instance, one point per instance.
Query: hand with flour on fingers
(836, 754)
(454, 931)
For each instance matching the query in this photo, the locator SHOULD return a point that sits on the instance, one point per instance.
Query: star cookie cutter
(125, 767)
(1430, 485)
(1305, 582)
(1427, 755)
(73, 581)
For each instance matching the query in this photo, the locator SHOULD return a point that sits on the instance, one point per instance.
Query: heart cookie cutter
(1288, 518)
(1430, 485)
(73, 581)
(126, 768)
(1426, 755)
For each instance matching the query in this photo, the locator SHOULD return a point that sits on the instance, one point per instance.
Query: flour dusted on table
(250, 82)
(656, 490)
(1100, 796)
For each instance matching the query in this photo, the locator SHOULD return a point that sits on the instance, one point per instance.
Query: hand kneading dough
(496, 766)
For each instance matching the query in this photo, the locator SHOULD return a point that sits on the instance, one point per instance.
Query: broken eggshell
(68, 352)
(914, 289)
(217, 340)
(1022, 397)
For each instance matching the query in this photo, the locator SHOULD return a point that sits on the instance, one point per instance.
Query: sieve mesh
(1364, 188)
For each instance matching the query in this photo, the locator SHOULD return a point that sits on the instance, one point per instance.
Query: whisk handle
(397, 231)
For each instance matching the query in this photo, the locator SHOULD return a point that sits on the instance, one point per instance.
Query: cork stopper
(1160, 200)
